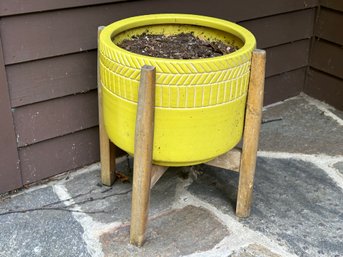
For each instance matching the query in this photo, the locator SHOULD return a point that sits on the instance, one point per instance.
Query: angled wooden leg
(107, 153)
(142, 167)
(251, 133)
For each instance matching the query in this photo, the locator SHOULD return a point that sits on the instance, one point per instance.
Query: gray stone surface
(216, 186)
(303, 129)
(109, 203)
(114, 203)
(339, 166)
(172, 234)
(295, 203)
(337, 113)
(254, 250)
(38, 233)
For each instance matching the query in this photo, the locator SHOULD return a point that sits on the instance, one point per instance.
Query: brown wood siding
(59, 154)
(325, 76)
(58, 117)
(250, 8)
(327, 57)
(325, 87)
(10, 176)
(287, 57)
(11, 7)
(50, 58)
(332, 4)
(329, 26)
(283, 86)
(280, 29)
(45, 79)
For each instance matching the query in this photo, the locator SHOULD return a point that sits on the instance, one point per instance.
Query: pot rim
(248, 39)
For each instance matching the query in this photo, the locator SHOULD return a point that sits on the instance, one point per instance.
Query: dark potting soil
(180, 46)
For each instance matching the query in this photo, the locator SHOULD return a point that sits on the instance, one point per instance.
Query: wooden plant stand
(146, 174)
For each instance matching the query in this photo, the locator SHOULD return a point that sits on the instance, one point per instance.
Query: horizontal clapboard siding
(328, 58)
(10, 176)
(329, 26)
(283, 86)
(325, 77)
(248, 8)
(13, 7)
(280, 29)
(45, 79)
(50, 60)
(287, 57)
(45, 120)
(59, 154)
(325, 87)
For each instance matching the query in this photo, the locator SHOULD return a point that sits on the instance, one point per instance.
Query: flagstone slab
(295, 203)
(112, 204)
(303, 129)
(339, 166)
(172, 234)
(39, 232)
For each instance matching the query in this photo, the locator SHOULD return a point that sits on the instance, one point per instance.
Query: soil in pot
(179, 46)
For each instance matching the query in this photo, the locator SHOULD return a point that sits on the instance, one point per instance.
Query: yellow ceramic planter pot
(200, 103)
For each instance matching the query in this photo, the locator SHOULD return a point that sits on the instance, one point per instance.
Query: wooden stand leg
(107, 153)
(251, 133)
(142, 166)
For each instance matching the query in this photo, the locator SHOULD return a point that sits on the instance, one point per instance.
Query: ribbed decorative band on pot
(199, 103)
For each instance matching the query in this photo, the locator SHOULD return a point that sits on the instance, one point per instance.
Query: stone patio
(297, 208)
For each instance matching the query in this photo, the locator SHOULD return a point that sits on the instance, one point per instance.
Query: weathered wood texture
(252, 125)
(156, 174)
(142, 165)
(10, 176)
(50, 60)
(325, 76)
(229, 161)
(107, 148)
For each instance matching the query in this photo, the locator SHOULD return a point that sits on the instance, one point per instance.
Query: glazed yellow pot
(200, 104)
